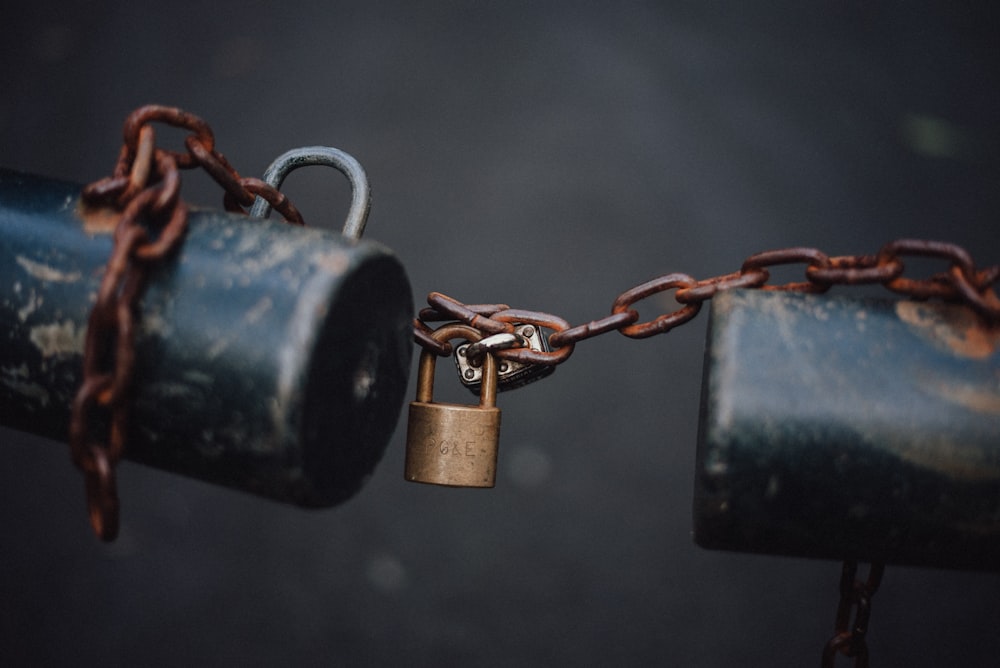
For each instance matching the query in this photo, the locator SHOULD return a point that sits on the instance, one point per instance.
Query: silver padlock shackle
(357, 216)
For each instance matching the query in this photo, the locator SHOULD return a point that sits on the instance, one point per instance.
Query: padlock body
(452, 444)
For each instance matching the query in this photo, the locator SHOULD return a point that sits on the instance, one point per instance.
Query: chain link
(849, 638)
(145, 187)
(961, 282)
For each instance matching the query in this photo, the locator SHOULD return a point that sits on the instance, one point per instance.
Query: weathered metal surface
(271, 359)
(850, 429)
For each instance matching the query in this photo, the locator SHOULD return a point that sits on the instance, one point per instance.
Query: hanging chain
(849, 638)
(145, 188)
(961, 282)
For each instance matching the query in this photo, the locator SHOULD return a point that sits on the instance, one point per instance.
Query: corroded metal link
(454, 309)
(86, 397)
(840, 643)
(955, 254)
(811, 257)
(277, 199)
(707, 288)
(849, 638)
(102, 493)
(422, 337)
(961, 281)
(593, 328)
(985, 301)
(431, 314)
(271, 195)
(216, 165)
(105, 190)
(938, 286)
(538, 319)
(856, 270)
(171, 116)
(663, 323)
(987, 277)
(141, 165)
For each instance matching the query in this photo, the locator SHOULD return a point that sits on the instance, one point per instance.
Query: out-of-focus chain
(853, 613)
(145, 188)
(961, 282)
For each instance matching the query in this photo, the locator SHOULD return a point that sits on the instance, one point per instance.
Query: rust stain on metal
(979, 399)
(953, 329)
(43, 272)
(98, 219)
(335, 262)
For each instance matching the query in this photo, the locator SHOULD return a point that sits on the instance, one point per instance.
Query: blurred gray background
(548, 156)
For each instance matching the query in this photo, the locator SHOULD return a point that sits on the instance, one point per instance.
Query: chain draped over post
(145, 188)
(961, 282)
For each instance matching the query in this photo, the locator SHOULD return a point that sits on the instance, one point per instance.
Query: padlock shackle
(428, 361)
(357, 216)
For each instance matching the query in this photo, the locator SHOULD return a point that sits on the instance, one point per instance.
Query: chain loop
(538, 319)
(706, 289)
(663, 323)
(613, 322)
(772, 258)
(455, 309)
(856, 270)
(173, 116)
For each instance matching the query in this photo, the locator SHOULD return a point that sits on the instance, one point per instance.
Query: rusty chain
(961, 282)
(145, 188)
(849, 638)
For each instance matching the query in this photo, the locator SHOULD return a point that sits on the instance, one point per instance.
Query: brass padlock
(453, 444)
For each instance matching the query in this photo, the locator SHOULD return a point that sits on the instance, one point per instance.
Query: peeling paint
(30, 390)
(34, 301)
(955, 460)
(168, 389)
(279, 252)
(18, 371)
(46, 273)
(16, 378)
(58, 339)
(153, 323)
(259, 309)
(198, 377)
(217, 348)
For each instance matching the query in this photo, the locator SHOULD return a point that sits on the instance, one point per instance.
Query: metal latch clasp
(510, 374)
